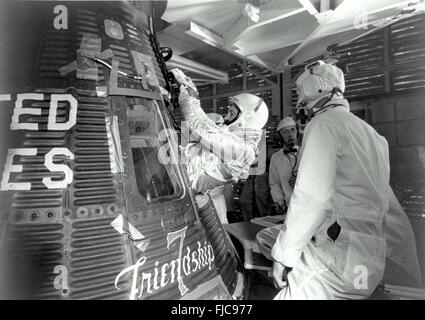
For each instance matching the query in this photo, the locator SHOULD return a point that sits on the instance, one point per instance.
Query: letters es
(19, 110)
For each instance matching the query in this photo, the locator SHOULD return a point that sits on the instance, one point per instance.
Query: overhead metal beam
(198, 69)
(299, 47)
(257, 61)
(205, 35)
(319, 46)
(325, 26)
(269, 14)
(280, 41)
(216, 41)
(308, 6)
(234, 33)
(325, 5)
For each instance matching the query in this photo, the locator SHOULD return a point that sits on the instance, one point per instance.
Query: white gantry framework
(275, 34)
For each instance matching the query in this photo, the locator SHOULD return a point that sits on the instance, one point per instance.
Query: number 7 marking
(170, 239)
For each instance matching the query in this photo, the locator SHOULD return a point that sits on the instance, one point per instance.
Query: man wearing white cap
(283, 163)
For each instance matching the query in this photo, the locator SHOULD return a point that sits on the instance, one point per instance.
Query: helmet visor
(233, 113)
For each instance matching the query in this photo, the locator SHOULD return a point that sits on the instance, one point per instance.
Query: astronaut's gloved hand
(186, 98)
(185, 81)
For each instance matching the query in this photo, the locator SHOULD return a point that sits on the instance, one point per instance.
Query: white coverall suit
(343, 177)
(281, 166)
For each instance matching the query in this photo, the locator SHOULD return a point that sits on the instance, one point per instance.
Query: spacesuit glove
(280, 275)
(185, 81)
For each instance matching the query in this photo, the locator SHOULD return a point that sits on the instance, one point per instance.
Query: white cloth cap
(285, 122)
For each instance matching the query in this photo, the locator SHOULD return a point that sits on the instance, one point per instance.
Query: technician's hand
(280, 275)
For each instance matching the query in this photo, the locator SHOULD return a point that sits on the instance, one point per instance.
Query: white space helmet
(253, 111)
(319, 80)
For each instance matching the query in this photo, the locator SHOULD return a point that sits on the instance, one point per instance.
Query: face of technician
(289, 135)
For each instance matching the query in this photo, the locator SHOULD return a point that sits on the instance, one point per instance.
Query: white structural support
(341, 20)
(201, 71)
(270, 13)
(284, 30)
(286, 59)
(233, 34)
(205, 35)
(308, 5)
(214, 40)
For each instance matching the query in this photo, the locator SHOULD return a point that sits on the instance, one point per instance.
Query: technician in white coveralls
(333, 242)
